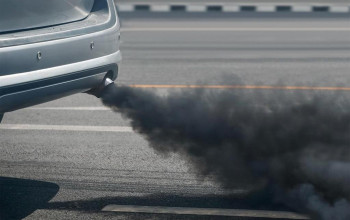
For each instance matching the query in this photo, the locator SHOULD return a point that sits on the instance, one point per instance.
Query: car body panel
(27, 14)
(24, 58)
(44, 64)
(102, 16)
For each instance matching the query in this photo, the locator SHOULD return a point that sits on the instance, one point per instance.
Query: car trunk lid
(17, 15)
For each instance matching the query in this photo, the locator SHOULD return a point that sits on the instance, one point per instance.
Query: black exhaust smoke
(295, 145)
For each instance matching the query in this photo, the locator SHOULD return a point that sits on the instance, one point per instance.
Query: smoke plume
(295, 143)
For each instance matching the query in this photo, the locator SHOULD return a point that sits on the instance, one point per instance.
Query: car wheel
(1, 116)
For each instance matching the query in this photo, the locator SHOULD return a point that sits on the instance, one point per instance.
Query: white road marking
(195, 29)
(266, 8)
(196, 8)
(160, 8)
(71, 108)
(231, 8)
(202, 211)
(339, 9)
(65, 128)
(302, 8)
(126, 7)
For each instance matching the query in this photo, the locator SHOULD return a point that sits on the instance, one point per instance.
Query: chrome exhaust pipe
(99, 90)
(107, 81)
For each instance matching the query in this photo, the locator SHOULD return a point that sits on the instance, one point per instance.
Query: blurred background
(258, 41)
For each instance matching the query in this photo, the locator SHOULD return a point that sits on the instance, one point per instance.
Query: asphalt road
(61, 171)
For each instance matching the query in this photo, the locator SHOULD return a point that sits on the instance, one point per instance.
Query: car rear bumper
(28, 58)
(64, 81)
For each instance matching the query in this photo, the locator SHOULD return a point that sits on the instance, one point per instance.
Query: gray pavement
(50, 174)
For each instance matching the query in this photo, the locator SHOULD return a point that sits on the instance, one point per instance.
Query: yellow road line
(242, 87)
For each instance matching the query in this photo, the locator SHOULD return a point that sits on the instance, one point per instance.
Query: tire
(1, 116)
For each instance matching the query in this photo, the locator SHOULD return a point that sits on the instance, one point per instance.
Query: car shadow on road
(20, 197)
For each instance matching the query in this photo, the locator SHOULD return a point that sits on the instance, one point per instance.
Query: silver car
(54, 48)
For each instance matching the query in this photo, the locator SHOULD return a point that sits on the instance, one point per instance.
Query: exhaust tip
(99, 90)
(107, 81)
